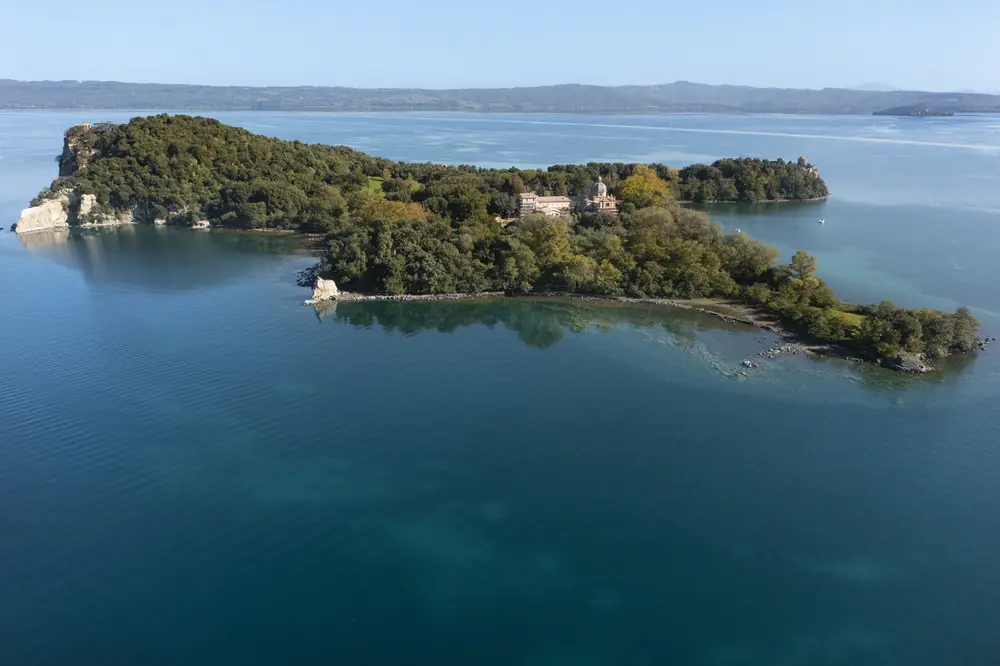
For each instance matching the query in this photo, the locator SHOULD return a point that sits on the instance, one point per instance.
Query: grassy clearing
(851, 318)
(375, 185)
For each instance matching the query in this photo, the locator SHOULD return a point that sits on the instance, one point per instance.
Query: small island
(396, 230)
(914, 111)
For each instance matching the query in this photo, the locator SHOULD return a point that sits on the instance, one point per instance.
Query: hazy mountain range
(678, 97)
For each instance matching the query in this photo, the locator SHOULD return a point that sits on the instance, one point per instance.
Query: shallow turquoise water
(195, 468)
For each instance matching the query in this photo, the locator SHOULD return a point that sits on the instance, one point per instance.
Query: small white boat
(822, 221)
(736, 231)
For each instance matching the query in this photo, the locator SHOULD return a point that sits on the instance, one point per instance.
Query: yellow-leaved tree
(370, 207)
(644, 188)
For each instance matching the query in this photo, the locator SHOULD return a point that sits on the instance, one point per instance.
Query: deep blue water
(195, 468)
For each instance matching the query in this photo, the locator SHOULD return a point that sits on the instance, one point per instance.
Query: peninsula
(394, 229)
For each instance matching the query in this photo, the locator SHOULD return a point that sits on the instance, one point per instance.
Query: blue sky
(916, 44)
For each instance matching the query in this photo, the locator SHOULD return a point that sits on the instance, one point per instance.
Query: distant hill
(678, 97)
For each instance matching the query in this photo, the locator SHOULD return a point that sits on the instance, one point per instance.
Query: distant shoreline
(486, 112)
(668, 98)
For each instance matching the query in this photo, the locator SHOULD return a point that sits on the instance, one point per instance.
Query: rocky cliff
(79, 145)
(67, 209)
(51, 214)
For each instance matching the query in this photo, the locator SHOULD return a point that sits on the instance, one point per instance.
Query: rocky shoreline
(327, 290)
(70, 212)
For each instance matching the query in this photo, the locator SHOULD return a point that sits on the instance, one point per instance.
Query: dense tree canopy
(657, 252)
(750, 180)
(400, 228)
(188, 168)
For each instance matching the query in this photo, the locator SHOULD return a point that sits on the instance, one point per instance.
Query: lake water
(196, 469)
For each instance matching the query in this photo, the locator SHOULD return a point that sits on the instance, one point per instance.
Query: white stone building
(597, 201)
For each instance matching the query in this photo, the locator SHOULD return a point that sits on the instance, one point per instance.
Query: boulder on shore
(51, 214)
(324, 290)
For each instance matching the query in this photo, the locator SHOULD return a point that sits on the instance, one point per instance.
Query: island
(396, 230)
(914, 111)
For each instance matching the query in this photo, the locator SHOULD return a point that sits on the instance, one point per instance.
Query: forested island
(914, 111)
(396, 228)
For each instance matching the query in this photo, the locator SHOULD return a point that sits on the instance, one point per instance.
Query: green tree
(965, 327)
(803, 264)
(518, 267)
(608, 279)
(548, 238)
(579, 273)
(503, 205)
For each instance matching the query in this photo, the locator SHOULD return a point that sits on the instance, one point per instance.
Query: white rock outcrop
(324, 290)
(89, 215)
(51, 214)
(87, 204)
(101, 220)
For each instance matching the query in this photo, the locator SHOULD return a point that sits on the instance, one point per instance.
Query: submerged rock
(787, 349)
(51, 214)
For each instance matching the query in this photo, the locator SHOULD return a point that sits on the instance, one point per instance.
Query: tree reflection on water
(538, 322)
